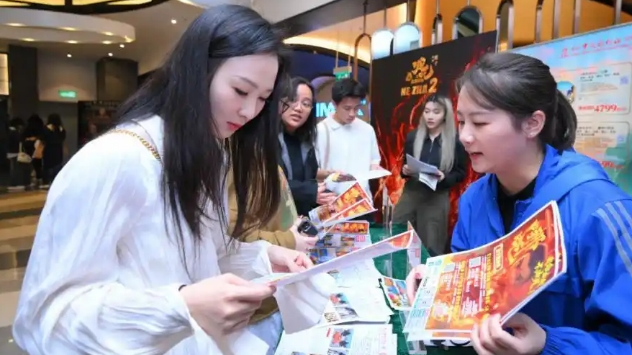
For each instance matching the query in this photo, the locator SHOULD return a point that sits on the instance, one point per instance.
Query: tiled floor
(19, 213)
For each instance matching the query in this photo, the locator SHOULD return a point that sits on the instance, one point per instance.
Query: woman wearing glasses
(296, 141)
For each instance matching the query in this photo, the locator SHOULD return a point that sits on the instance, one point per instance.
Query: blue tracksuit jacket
(589, 309)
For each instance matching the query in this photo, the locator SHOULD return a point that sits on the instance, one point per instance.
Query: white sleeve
(246, 260)
(71, 302)
(375, 150)
(321, 141)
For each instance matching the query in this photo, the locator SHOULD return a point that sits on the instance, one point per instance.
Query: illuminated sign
(324, 109)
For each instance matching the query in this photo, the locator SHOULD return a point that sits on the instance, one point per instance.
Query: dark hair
(195, 163)
(34, 126)
(55, 120)
(521, 85)
(307, 131)
(347, 88)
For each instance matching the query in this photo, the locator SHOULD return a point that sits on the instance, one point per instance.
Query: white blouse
(104, 272)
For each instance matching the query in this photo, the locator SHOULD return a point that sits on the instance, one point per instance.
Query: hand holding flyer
(461, 289)
(352, 203)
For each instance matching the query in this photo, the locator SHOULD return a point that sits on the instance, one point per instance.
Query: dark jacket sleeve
(305, 192)
(408, 149)
(457, 174)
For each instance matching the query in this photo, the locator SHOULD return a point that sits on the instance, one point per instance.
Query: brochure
(363, 273)
(359, 304)
(352, 203)
(355, 227)
(464, 288)
(396, 243)
(340, 340)
(420, 167)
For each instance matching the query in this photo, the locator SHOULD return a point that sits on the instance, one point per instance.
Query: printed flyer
(464, 288)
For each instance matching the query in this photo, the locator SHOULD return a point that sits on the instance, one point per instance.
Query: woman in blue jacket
(519, 130)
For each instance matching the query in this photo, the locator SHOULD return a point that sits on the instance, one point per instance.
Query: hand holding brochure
(369, 175)
(352, 203)
(420, 167)
(461, 289)
(399, 242)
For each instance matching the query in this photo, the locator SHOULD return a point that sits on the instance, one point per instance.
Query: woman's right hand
(406, 170)
(225, 303)
(413, 280)
(323, 197)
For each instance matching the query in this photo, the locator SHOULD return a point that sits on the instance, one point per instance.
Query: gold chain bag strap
(142, 140)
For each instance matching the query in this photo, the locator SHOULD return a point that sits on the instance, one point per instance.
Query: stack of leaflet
(352, 203)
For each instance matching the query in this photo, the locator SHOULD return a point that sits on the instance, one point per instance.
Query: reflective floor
(19, 213)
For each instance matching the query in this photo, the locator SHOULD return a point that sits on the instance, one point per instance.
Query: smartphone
(308, 228)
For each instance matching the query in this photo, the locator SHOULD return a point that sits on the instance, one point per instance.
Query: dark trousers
(20, 173)
(50, 173)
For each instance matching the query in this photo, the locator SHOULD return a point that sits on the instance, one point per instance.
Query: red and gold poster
(401, 83)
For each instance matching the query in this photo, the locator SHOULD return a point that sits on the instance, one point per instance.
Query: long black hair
(307, 131)
(195, 161)
(520, 85)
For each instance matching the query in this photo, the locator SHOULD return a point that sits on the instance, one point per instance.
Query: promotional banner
(400, 85)
(95, 117)
(594, 70)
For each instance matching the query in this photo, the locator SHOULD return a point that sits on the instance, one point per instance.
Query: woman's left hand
(489, 337)
(288, 260)
(440, 175)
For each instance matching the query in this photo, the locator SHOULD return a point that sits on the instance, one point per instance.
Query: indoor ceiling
(156, 33)
(341, 37)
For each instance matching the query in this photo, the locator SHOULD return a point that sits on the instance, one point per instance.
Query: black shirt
(293, 145)
(431, 151)
(507, 203)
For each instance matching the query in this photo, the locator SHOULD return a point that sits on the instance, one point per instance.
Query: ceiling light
(107, 42)
(122, 45)
(110, 54)
(69, 55)
(73, 42)
(15, 24)
(28, 39)
(108, 33)
(174, 21)
(68, 28)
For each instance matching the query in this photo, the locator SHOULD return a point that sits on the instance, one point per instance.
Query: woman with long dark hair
(434, 142)
(144, 264)
(32, 140)
(296, 141)
(519, 129)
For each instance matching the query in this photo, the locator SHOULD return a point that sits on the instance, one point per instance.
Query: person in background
(281, 230)
(296, 141)
(434, 142)
(519, 129)
(53, 139)
(33, 134)
(144, 265)
(345, 143)
(20, 168)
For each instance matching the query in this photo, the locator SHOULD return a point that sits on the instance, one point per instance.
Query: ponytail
(564, 124)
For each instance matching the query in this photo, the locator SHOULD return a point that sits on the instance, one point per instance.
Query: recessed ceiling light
(15, 24)
(28, 39)
(174, 21)
(108, 33)
(68, 28)
(110, 54)
(107, 42)
(122, 45)
(69, 55)
(72, 42)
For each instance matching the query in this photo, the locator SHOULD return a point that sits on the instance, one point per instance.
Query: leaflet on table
(418, 167)
(414, 252)
(339, 340)
(396, 243)
(395, 293)
(352, 203)
(360, 304)
(335, 245)
(369, 175)
(461, 289)
(363, 273)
